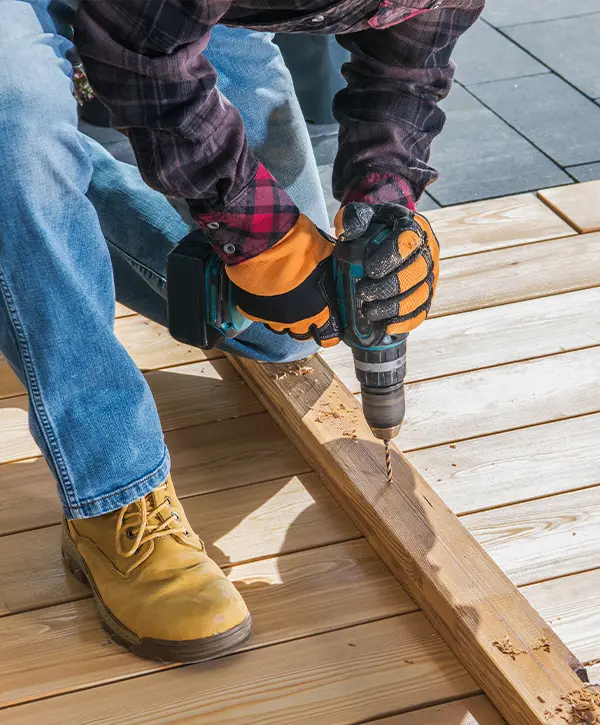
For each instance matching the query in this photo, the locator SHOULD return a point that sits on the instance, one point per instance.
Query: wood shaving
(548, 715)
(542, 644)
(410, 662)
(324, 415)
(296, 372)
(350, 434)
(585, 706)
(541, 699)
(508, 648)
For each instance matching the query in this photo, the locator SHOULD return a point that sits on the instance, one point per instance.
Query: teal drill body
(201, 313)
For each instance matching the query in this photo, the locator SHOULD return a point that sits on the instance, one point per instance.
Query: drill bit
(388, 461)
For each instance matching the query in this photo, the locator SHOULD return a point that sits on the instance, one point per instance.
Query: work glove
(401, 272)
(290, 287)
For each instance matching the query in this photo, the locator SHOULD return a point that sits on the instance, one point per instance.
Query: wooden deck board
(204, 459)
(186, 395)
(579, 204)
(291, 596)
(516, 274)
(261, 520)
(491, 336)
(502, 398)
(495, 224)
(338, 678)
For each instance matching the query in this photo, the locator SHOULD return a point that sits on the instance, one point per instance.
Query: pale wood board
(186, 395)
(505, 468)
(571, 605)
(491, 336)
(261, 520)
(291, 596)
(476, 710)
(205, 458)
(495, 223)
(339, 678)
(579, 204)
(519, 273)
(468, 598)
(501, 398)
(122, 310)
(148, 343)
(542, 539)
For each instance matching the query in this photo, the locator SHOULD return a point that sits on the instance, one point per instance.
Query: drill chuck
(381, 374)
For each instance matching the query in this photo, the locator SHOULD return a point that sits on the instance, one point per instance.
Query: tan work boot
(158, 592)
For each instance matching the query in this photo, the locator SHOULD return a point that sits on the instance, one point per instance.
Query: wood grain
(291, 596)
(497, 399)
(476, 710)
(579, 204)
(491, 336)
(495, 224)
(571, 605)
(465, 595)
(510, 467)
(338, 678)
(148, 343)
(542, 539)
(205, 458)
(122, 311)
(187, 395)
(518, 273)
(261, 520)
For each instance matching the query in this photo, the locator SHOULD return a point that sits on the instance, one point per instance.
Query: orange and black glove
(401, 272)
(291, 287)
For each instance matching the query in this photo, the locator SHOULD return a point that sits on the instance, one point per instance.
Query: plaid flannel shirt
(145, 61)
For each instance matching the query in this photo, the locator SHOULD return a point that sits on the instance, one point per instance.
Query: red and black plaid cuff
(381, 188)
(259, 217)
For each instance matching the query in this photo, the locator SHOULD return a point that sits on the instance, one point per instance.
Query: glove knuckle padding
(290, 287)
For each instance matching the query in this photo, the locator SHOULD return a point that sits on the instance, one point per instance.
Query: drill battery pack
(188, 291)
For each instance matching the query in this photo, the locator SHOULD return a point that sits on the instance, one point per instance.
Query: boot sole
(166, 651)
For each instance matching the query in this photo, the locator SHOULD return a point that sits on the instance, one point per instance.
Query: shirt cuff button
(213, 226)
(229, 249)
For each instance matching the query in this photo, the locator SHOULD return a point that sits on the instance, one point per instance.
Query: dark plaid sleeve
(145, 61)
(388, 112)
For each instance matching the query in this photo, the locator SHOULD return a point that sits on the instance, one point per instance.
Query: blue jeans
(66, 209)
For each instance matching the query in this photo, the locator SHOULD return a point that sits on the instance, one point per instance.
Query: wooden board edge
(515, 657)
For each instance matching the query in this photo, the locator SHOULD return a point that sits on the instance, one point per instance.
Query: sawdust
(542, 644)
(541, 699)
(508, 648)
(350, 434)
(324, 415)
(295, 372)
(548, 715)
(585, 706)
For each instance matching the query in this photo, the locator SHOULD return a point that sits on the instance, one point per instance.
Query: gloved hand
(290, 287)
(401, 272)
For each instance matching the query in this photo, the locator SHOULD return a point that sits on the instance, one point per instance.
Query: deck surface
(503, 420)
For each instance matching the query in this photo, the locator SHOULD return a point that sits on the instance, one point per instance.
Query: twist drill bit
(388, 461)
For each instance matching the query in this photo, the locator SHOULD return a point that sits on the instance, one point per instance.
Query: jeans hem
(124, 496)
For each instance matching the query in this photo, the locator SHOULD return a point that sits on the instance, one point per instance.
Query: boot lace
(141, 523)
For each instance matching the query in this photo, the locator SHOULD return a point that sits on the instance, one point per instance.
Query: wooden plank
(579, 204)
(148, 343)
(518, 273)
(502, 398)
(186, 395)
(491, 336)
(9, 382)
(542, 539)
(206, 458)
(505, 468)
(262, 520)
(122, 311)
(465, 595)
(495, 224)
(571, 605)
(292, 596)
(476, 710)
(339, 678)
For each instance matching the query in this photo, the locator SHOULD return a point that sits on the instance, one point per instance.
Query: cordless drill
(379, 358)
(201, 313)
